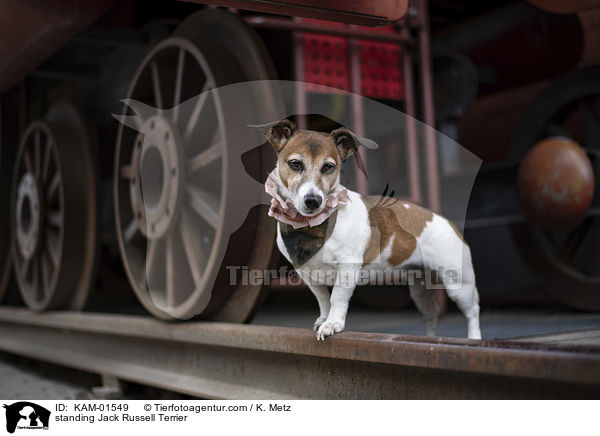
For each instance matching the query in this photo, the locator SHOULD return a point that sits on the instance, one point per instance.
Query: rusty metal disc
(556, 183)
(54, 212)
(162, 230)
(567, 262)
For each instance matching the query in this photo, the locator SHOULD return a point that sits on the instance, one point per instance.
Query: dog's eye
(328, 167)
(296, 165)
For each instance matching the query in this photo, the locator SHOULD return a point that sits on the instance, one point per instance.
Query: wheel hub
(156, 191)
(28, 219)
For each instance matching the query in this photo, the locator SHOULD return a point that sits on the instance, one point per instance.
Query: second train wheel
(162, 229)
(54, 212)
(567, 264)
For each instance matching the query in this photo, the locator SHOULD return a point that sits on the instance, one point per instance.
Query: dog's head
(309, 162)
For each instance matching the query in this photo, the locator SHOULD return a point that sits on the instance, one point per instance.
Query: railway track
(233, 361)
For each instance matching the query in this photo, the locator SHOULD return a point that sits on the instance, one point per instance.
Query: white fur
(438, 249)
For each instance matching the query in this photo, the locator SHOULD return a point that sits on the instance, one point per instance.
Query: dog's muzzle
(312, 201)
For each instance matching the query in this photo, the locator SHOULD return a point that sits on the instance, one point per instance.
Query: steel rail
(235, 361)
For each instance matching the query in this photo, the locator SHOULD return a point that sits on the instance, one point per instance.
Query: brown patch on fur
(395, 220)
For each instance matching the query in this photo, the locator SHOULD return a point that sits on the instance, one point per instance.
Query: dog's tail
(386, 200)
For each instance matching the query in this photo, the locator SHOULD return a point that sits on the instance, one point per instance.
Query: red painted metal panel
(326, 63)
(381, 69)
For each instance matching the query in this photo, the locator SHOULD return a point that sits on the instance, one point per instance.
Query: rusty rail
(219, 360)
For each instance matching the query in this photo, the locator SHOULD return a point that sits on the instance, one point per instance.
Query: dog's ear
(344, 142)
(277, 133)
(347, 142)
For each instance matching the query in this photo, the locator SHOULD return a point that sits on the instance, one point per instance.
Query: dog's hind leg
(462, 289)
(424, 299)
(467, 299)
(453, 266)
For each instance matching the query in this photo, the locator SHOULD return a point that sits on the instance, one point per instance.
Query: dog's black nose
(312, 201)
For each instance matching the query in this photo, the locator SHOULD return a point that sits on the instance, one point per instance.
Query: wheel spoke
(151, 254)
(131, 230)
(170, 276)
(574, 240)
(45, 268)
(35, 279)
(205, 204)
(201, 103)
(193, 249)
(204, 158)
(27, 161)
(155, 264)
(156, 86)
(46, 161)
(51, 246)
(178, 83)
(54, 218)
(590, 123)
(134, 122)
(127, 172)
(25, 268)
(53, 186)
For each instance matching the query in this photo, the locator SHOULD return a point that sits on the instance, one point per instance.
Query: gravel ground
(26, 379)
(23, 379)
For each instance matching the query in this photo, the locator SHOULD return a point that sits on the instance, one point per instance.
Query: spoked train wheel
(170, 182)
(253, 61)
(567, 264)
(54, 212)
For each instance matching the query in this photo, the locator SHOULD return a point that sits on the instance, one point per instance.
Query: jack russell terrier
(332, 235)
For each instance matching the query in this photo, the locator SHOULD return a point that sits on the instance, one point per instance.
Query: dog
(333, 236)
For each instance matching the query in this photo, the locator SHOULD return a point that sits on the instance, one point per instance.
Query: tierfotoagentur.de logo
(26, 415)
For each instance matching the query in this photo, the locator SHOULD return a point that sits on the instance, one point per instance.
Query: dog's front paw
(328, 329)
(320, 320)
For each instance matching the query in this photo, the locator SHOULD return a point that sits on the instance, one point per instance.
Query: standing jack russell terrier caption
(324, 226)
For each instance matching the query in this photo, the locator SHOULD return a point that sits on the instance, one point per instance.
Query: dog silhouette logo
(26, 415)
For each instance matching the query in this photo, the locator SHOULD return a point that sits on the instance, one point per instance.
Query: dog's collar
(285, 211)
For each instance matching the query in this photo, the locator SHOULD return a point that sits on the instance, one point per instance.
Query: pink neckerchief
(286, 212)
